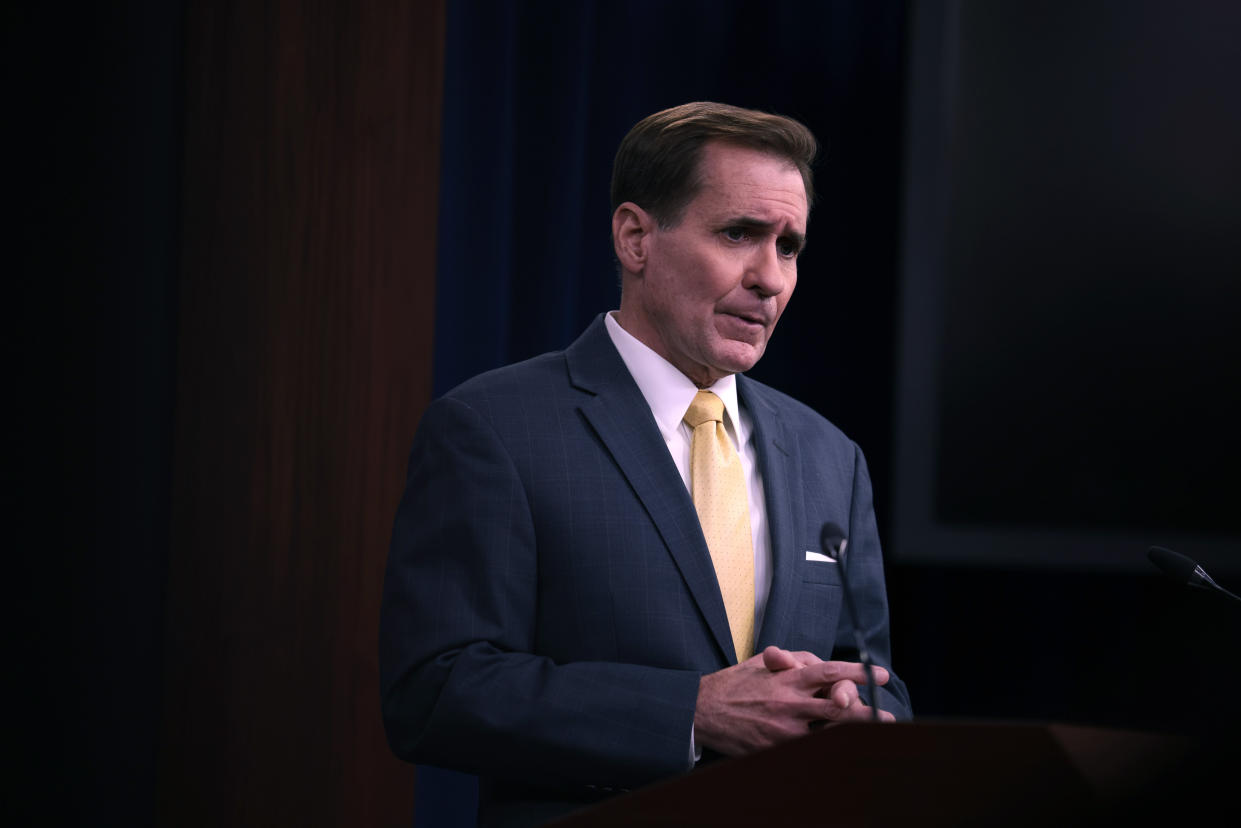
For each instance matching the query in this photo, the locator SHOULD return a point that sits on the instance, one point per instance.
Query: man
(606, 565)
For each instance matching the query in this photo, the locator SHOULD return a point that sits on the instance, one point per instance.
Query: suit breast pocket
(819, 603)
(820, 572)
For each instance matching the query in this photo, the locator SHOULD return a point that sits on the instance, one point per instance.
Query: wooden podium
(914, 774)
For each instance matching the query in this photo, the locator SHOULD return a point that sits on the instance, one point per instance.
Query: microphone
(832, 539)
(1184, 571)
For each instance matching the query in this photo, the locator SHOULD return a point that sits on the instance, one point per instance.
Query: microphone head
(832, 539)
(1173, 564)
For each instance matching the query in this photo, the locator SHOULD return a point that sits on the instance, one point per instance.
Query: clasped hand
(775, 696)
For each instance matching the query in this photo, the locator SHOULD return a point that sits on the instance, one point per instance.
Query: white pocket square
(818, 556)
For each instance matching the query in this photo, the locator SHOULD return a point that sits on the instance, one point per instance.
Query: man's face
(712, 288)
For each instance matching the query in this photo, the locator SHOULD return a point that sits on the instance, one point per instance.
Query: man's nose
(766, 271)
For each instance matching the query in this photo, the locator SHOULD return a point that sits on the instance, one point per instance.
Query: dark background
(1093, 269)
(253, 238)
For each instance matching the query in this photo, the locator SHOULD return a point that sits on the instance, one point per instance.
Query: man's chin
(738, 357)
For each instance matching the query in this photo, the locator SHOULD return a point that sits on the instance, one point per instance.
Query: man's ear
(631, 234)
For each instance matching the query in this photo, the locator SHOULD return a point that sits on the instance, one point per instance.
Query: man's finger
(776, 659)
(826, 673)
(844, 693)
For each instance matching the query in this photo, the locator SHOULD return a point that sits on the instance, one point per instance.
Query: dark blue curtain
(538, 95)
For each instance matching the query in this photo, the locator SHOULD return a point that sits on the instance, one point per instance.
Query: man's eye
(787, 248)
(735, 234)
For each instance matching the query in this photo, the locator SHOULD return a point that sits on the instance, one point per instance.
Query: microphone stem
(1229, 594)
(860, 640)
(1209, 583)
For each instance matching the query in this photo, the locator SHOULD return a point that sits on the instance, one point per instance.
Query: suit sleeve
(864, 559)
(462, 684)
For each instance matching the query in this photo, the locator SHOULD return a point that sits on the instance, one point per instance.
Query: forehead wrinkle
(767, 204)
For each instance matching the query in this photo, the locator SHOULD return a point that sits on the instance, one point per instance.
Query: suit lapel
(780, 465)
(621, 418)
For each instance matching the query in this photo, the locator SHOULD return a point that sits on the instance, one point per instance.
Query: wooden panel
(306, 310)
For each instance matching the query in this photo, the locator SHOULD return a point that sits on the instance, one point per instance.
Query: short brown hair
(656, 166)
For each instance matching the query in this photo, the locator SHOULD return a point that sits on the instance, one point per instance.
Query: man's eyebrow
(752, 223)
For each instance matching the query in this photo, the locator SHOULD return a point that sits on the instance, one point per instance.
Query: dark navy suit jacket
(550, 603)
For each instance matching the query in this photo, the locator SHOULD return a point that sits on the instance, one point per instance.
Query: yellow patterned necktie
(718, 485)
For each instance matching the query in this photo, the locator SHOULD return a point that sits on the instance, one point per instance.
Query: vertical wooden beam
(306, 313)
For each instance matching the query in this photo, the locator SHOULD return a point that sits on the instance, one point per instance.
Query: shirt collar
(668, 392)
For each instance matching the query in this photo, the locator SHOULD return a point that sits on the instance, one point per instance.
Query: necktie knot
(706, 407)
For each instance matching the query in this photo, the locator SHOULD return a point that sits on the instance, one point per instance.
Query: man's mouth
(756, 319)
